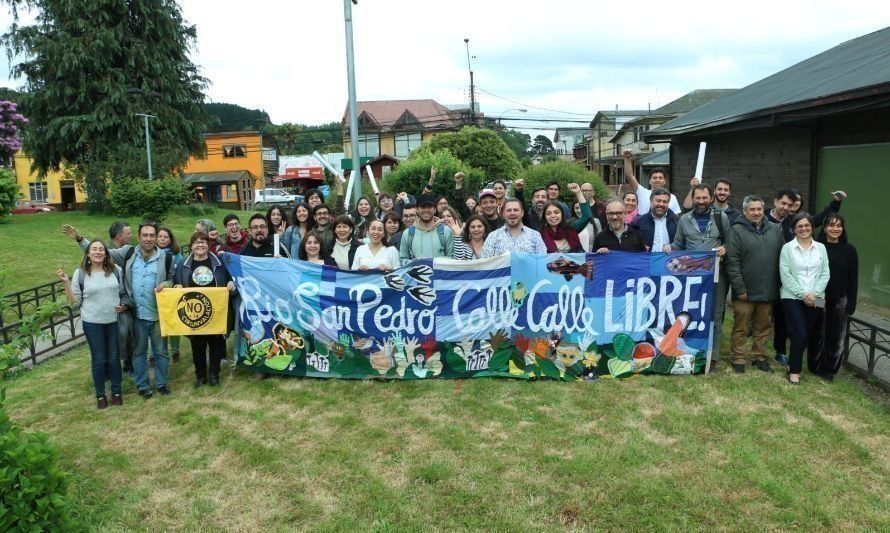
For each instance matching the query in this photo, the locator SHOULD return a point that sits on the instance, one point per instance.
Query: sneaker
(782, 359)
(117, 399)
(101, 402)
(163, 390)
(146, 393)
(738, 369)
(763, 366)
(214, 380)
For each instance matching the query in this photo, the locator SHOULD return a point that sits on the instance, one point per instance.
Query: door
(69, 197)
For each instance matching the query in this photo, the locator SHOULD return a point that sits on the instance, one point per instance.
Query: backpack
(168, 260)
(79, 275)
(718, 220)
(440, 229)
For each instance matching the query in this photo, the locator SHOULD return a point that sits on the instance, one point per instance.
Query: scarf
(631, 216)
(550, 236)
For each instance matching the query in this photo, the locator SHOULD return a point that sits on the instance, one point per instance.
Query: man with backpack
(706, 228)
(146, 269)
(426, 238)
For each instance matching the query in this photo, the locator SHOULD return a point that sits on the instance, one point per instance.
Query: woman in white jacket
(803, 267)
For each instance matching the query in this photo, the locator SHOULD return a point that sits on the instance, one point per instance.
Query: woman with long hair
(587, 234)
(312, 250)
(840, 295)
(392, 223)
(98, 290)
(471, 203)
(558, 234)
(630, 204)
(450, 218)
(441, 205)
(277, 220)
(360, 216)
(376, 254)
(803, 267)
(472, 239)
(167, 242)
(295, 232)
(202, 268)
(385, 204)
(500, 192)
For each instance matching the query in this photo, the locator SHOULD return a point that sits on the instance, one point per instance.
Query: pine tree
(90, 66)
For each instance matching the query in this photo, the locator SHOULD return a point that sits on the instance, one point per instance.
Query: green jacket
(789, 270)
(752, 260)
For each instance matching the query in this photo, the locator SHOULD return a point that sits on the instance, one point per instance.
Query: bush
(33, 491)
(198, 209)
(482, 149)
(413, 174)
(148, 199)
(565, 173)
(9, 193)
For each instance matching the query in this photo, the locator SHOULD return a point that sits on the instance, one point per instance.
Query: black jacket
(646, 226)
(630, 240)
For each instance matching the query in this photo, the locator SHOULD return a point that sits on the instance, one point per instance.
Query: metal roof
(856, 64)
(228, 176)
(661, 159)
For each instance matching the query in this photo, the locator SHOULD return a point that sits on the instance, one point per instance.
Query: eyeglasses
(233, 225)
(254, 228)
(615, 213)
(322, 214)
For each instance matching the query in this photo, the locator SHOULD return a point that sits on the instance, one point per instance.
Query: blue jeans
(149, 330)
(106, 363)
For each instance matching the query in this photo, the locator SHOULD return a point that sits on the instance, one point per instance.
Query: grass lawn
(739, 452)
(33, 246)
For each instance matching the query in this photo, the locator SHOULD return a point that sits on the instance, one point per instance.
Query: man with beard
(705, 228)
(533, 218)
(513, 236)
(618, 236)
(657, 180)
(659, 225)
(261, 244)
(722, 192)
(321, 213)
(752, 264)
(426, 238)
(489, 203)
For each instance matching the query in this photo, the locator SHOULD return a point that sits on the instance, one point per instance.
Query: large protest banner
(560, 316)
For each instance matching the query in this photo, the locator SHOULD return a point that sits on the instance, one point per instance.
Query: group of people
(780, 276)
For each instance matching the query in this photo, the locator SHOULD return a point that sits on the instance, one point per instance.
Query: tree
(517, 141)
(9, 193)
(564, 173)
(233, 117)
(90, 66)
(299, 139)
(413, 173)
(482, 149)
(541, 145)
(11, 122)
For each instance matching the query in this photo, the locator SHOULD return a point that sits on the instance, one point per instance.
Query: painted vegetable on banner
(557, 316)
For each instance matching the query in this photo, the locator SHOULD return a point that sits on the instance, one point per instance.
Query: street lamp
(507, 111)
(149, 94)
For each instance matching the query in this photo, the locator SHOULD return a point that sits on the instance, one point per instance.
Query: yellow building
(230, 170)
(53, 189)
(396, 127)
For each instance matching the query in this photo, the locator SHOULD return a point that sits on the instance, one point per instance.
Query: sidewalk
(858, 356)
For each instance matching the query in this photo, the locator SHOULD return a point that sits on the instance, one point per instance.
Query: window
(368, 144)
(234, 150)
(37, 191)
(405, 142)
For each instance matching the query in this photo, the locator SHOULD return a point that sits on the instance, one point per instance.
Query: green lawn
(33, 246)
(746, 452)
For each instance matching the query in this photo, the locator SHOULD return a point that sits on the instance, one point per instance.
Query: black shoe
(828, 377)
(782, 359)
(117, 399)
(764, 366)
(101, 402)
(146, 393)
(163, 390)
(200, 382)
(214, 380)
(738, 369)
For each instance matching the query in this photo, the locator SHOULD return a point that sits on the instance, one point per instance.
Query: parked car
(31, 208)
(276, 196)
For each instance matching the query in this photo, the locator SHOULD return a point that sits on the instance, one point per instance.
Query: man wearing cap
(489, 203)
(514, 236)
(426, 238)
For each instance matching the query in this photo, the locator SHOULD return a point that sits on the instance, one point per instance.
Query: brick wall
(757, 162)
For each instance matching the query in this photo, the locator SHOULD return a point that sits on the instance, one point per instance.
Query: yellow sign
(193, 311)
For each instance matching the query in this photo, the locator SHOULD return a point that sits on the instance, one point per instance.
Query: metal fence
(62, 330)
(871, 341)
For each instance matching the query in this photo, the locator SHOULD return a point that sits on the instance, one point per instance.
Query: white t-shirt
(387, 256)
(643, 201)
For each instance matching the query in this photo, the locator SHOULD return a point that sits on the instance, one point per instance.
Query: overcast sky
(288, 57)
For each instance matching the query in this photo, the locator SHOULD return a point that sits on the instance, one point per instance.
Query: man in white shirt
(657, 180)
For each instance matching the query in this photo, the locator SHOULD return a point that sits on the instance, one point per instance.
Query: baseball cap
(486, 192)
(426, 199)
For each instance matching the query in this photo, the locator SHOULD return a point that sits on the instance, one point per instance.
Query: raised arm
(629, 170)
(459, 197)
(687, 202)
(586, 213)
(429, 185)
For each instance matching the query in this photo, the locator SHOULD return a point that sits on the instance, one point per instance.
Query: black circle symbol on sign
(194, 309)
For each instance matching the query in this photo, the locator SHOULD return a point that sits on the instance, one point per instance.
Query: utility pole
(472, 86)
(147, 142)
(353, 115)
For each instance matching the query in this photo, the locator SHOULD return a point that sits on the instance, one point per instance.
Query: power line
(529, 106)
